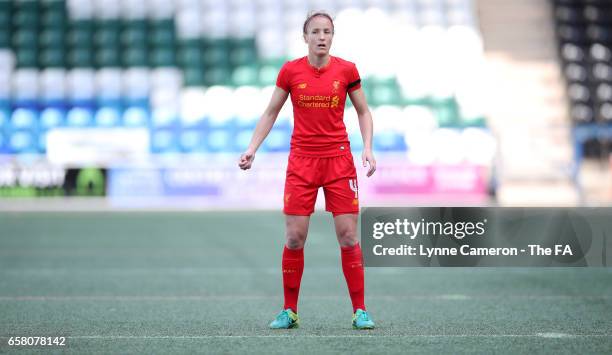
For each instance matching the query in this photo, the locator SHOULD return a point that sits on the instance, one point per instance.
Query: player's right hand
(246, 160)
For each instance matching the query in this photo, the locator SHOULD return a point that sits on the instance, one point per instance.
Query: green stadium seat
(25, 38)
(82, 57)
(384, 91)
(163, 57)
(107, 57)
(134, 33)
(54, 6)
(6, 5)
(54, 19)
(216, 53)
(474, 121)
(52, 38)
(5, 39)
(81, 33)
(26, 15)
(217, 76)
(194, 76)
(216, 57)
(53, 58)
(446, 111)
(268, 74)
(242, 56)
(190, 54)
(27, 57)
(107, 34)
(5, 18)
(245, 75)
(135, 56)
(162, 33)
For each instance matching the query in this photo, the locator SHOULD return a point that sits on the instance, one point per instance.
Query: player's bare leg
(296, 231)
(346, 229)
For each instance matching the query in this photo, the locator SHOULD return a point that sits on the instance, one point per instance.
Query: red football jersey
(318, 97)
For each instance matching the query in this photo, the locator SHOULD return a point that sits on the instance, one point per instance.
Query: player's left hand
(246, 160)
(368, 157)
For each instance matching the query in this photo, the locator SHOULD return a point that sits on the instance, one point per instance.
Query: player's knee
(347, 237)
(294, 243)
(295, 238)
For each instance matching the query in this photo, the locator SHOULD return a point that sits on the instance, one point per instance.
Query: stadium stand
(584, 35)
(179, 67)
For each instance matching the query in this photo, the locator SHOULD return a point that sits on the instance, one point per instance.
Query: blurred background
(149, 103)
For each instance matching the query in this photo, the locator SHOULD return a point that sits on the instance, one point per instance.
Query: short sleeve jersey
(318, 97)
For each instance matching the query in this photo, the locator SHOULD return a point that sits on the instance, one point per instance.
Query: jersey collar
(319, 71)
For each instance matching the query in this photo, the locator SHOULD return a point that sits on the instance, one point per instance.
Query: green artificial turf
(210, 282)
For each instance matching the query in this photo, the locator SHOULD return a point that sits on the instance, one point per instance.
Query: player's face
(319, 35)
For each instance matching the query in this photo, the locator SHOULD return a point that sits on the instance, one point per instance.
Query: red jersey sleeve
(282, 81)
(354, 81)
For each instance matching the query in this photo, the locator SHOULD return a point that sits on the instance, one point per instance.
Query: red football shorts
(337, 176)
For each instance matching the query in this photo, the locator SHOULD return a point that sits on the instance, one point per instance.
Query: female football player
(320, 156)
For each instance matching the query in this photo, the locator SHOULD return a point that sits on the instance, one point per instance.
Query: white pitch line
(443, 297)
(258, 297)
(137, 337)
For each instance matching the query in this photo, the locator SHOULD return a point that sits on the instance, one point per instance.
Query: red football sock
(293, 267)
(352, 266)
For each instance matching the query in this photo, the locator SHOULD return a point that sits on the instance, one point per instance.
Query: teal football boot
(286, 319)
(361, 320)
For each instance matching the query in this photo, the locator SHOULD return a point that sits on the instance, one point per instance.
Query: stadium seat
(135, 116)
(81, 84)
(134, 9)
(163, 57)
(107, 57)
(134, 32)
(162, 33)
(108, 116)
(25, 85)
(109, 82)
(23, 142)
(81, 33)
(190, 53)
(80, 9)
(107, 33)
(52, 38)
(54, 15)
(24, 119)
(53, 85)
(52, 57)
(26, 14)
(192, 141)
(25, 38)
(80, 117)
(164, 141)
(188, 24)
(245, 75)
(194, 76)
(81, 57)
(219, 140)
(5, 16)
(135, 56)
(136, 84)
(52, 117)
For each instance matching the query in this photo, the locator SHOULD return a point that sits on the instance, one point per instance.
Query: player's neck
(318, 61)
